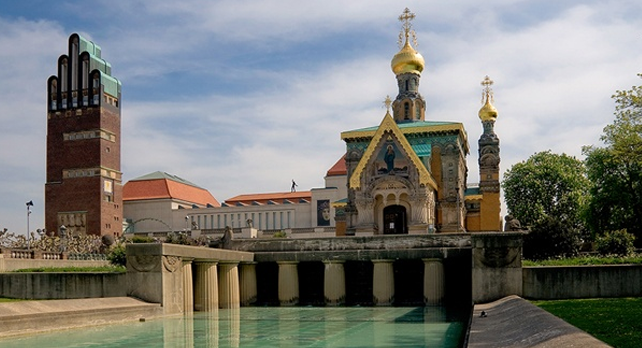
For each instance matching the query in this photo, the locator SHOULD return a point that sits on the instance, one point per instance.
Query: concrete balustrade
(383, 283)
(184, 278)
(248, 290)
(288, 283)
(334, 283)
(433, 281)
(228, 284)
(206, 294)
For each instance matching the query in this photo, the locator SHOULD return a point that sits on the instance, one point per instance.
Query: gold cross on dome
(406, 28)
(387, 102)
(487, 82)
(487, 93)
(406, 17)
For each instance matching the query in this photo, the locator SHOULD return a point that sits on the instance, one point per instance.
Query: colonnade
(231, 284)
(218, 284)
(383, 282)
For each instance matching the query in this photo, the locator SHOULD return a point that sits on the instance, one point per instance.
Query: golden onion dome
(407, 60)
(488, 112)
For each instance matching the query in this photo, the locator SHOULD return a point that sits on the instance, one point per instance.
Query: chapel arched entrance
(395, 220)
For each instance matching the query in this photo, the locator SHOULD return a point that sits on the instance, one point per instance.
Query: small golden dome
(488, 112)
(407, 60)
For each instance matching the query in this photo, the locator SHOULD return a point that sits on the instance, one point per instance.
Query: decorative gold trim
(474, 197)
(457, 127)
(388, 124)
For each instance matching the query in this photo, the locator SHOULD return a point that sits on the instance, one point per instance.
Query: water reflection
(274, 327)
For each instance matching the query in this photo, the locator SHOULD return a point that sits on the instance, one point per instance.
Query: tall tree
(546, 185)
(616, 169)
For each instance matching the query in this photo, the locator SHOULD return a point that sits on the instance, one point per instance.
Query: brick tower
(83, 191)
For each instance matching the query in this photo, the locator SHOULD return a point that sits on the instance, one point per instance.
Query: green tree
(616, 169)
(547, 185)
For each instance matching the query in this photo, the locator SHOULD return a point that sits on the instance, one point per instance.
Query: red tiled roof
(263, 198)
(338, 168)
(164, 188)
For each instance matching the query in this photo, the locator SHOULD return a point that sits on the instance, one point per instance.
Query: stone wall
(566, 282)
(46, 286)
(497, 265)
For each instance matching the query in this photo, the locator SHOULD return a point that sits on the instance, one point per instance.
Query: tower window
(406, 111)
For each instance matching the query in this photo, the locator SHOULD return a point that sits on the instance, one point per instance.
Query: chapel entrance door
(394, 220)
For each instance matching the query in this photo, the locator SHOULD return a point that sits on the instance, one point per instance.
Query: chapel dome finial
(407, 60)
(487, 111)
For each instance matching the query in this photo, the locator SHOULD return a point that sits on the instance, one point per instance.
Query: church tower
(407, 175)
(83, 191)
(489, 209)
(407, 66)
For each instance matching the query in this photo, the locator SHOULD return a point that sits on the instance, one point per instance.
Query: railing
(91, 257)
(47, 255)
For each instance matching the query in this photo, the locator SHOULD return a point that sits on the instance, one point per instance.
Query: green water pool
(273, 327)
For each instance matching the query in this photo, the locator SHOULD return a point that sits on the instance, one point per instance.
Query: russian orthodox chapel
(408, 174)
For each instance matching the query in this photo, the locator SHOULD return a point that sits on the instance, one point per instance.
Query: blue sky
(244, 96)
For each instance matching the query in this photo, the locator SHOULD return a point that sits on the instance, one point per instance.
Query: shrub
(280, 234)
(551, 238)
(117, 255)
(142, 239)
(618, 242)
(178, 238)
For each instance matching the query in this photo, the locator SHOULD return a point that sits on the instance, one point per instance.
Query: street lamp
(29, 205)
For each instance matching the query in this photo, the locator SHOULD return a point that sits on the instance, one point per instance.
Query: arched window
(406, 111)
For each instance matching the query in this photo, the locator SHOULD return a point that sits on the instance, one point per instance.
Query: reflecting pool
(273, 327)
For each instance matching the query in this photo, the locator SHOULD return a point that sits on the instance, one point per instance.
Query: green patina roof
(111, 84)
(470, 191)
(404, 125)
(422, 150)
(162, 175)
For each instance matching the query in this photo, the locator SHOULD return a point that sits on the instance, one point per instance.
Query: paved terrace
(515, 322)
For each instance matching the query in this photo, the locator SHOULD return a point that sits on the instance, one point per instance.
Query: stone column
(288, 283)
(334, 284)
(206, 294)
(433, 281)
(188, 287)
(383, 283)
(228, 284)
(248, 283)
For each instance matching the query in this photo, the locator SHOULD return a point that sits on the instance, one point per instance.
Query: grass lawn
(2, 299)
(587, 260)
(616, 321)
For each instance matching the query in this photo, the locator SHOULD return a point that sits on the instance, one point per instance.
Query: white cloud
(555, 69)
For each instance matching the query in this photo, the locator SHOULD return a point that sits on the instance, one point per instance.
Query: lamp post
(29, 205)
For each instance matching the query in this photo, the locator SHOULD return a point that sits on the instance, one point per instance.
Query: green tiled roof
(111, 84)
(422, 150)
(404, 125)
(162, 175)
(470, 191)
